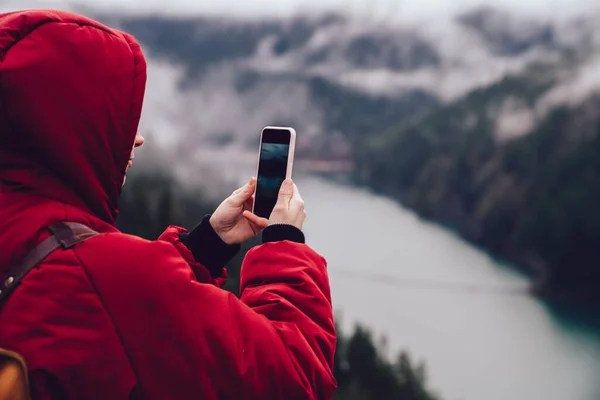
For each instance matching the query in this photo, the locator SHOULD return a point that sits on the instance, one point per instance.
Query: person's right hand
(289, 209)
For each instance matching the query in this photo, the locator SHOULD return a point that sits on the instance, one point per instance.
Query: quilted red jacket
(119, 317)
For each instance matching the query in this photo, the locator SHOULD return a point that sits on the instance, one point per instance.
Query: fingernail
(287, 183)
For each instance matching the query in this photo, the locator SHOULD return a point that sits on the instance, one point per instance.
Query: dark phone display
(272, 168)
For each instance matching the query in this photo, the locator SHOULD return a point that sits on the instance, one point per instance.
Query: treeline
(151, 202)
(531, 199)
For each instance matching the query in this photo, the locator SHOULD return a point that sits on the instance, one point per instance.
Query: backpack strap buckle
(64, 234)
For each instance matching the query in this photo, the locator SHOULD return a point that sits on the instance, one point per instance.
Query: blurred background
(449, 156)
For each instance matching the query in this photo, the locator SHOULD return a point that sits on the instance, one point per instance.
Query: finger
(240, 196)
(248, 204)
(285, 193)
(297, 193)
(251, 182)
(255, 219)
(262, 223)
(297, 198)
(239, 190)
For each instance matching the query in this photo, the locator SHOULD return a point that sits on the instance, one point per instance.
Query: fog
(212, 111)
(382, 10)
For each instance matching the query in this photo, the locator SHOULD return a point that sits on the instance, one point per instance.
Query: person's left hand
(229, 221)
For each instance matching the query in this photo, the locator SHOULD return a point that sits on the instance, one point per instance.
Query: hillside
(508, 173)
(216, 81)
(486, 122)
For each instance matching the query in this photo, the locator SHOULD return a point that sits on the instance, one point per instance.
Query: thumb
(285, 192)
(240, 196)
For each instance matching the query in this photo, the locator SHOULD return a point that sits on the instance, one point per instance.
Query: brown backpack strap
(64, 234)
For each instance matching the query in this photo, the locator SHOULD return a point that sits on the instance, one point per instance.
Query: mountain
(487, 122)
(248, 74)
(508, 35)
(333, 78)
(514, 167)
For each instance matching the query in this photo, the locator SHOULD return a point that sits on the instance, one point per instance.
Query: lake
(470, 319)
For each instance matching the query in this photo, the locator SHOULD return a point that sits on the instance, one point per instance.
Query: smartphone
(275, 161)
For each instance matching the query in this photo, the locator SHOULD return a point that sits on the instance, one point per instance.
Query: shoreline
(570, 297)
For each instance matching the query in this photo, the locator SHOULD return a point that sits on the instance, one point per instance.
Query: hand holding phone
(230, 220)
(289, 209)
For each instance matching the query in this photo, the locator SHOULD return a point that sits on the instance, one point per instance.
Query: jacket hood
(71, 93)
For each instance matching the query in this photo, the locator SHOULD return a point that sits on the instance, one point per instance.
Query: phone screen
(272, 169)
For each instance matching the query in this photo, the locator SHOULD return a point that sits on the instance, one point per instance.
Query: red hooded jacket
(119, 317)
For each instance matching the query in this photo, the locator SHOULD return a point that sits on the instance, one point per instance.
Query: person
(117, 316)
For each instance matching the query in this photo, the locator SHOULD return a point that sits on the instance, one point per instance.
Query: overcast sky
(387, 9)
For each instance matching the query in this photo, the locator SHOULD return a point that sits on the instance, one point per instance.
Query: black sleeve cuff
(208, 248)
(279, 233)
